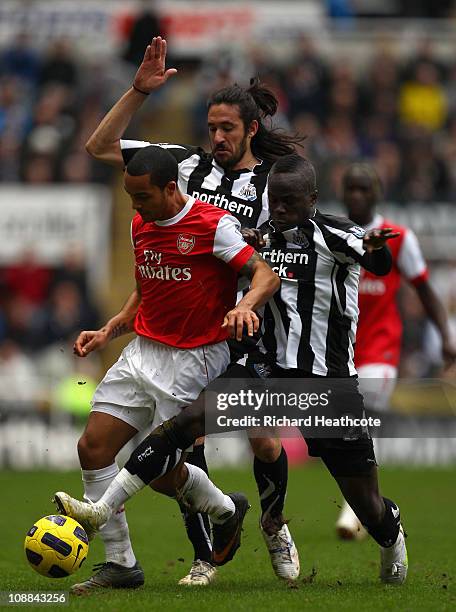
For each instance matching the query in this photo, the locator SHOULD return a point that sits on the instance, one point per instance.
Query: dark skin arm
(377, 238)
(377, 258)
(436, 313)
(263, 284)
(379, 262)
(253, 237)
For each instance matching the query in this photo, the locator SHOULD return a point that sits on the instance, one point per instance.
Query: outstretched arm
(377, 258)
(263, 284)
(120, 324)
(104, 143)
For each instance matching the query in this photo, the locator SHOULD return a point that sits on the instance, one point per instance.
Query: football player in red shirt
(243, 145)
(188, 255)
(379, 334)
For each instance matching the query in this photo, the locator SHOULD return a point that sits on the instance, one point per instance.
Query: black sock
(156, 456)
(197, 524)
(386, 532)
(272, 479)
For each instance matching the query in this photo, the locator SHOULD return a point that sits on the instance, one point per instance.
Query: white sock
(202, 495)
(121, 488)
(114, 534)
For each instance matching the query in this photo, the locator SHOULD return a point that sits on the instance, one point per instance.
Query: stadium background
(370, 79)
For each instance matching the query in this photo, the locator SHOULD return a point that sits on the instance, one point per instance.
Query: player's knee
(266, 449)
(92, 450)
(165, 486)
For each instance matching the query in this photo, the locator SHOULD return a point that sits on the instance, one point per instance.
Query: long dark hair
(255, 103)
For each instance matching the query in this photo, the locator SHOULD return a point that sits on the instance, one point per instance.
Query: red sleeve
(241, 258)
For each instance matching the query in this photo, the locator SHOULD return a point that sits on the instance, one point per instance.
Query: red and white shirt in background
(187, 270)
(379, 334)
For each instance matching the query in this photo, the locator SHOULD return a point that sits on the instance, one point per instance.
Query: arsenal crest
(185, 243)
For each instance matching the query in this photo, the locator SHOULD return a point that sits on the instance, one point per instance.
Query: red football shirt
(378, 338)
(187, 270)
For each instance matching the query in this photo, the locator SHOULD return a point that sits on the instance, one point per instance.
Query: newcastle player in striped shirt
(310, 332)
(233, 177)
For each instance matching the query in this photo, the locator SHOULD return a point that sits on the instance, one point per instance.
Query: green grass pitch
(334, 575)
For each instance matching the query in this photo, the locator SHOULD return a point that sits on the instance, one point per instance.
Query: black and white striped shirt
(243, 193)
(310, 323)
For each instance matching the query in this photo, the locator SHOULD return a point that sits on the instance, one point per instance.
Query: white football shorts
(151, 382)
(376, 383)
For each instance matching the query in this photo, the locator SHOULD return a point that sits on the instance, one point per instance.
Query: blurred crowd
(42, 309)
(399, 113)
(48, 107)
